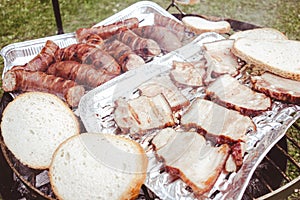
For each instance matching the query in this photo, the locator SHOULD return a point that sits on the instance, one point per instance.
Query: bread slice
(259, 33)
(200, 25)
(98, 166)
(280, 57)
(34, 124)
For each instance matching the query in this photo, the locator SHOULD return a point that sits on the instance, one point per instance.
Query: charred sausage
(107, 31)
(89, 54)
(43, 60)
(166, 39)
(82, 74)
(22, 80)
(146, 48)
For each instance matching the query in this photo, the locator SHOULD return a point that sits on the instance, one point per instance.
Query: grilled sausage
(107, 31)
(146, 48)
(123, 54)
(177, 28)
(166, 39)
(88, 54)
(83, 74)
(43, 60)
(22, 80)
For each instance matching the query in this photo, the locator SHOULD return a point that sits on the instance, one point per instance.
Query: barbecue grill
(277, 176)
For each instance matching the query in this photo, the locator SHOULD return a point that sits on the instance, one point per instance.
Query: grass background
(31, 19)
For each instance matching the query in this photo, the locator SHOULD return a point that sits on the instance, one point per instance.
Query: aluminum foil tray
(21, 52)
(96, 109)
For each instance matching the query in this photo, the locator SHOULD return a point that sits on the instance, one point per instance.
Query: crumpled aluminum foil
(96, 108)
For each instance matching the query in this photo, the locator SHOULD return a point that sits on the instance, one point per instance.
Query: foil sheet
(97, 106)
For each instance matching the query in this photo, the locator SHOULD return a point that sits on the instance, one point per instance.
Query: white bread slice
(259, 33)
(200, 25)
(33, 126)
(98, 166)
(280, 57)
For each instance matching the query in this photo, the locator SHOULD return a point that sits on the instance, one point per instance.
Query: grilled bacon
(229, 92)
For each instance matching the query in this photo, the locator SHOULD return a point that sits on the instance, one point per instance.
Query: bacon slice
(229, 92)
(188, 156)
(216, 122)
(277, 87)
(164, 85)
(188, 74)
(142, 114)
(219, 59)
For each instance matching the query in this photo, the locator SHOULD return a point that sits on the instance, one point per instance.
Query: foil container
(22, 52)
(96, 112)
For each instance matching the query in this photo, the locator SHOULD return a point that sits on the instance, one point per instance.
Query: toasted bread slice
(98, 166)
(277, 56)
(33, 126)
(200, 25)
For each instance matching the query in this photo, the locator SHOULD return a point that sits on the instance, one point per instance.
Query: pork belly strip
(43, 60)
(164, 85)
(22, 80)
(219, 59)
(139, 115)
(277, 87)
(83, 74)
(188, 73)
(229, 92)
(188, 156)
(216, 122)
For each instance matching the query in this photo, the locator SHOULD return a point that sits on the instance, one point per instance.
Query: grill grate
(283, 165)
